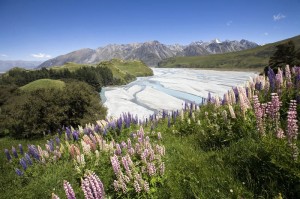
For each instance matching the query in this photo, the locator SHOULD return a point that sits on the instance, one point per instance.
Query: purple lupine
(119, 123)
(23, 163)
(125, 164)
(21, 149)
(118, 150)
(68, 133)
(28, 159)
(271, 76)
(33, 151)
(57, 140)
(14, 152)
(19, 172)
(51, 144)
(69, 190)
(8, 156)
(97, 128)
(75, 135)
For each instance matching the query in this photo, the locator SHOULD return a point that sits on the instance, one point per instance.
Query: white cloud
(4, 55)
(266, 33)
(229, 23)
(278, 17)
(41, 55)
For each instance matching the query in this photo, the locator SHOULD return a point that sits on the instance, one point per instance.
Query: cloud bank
(41, 55)
(278, 17)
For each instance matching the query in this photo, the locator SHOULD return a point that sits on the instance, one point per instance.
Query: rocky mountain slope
(149, 52)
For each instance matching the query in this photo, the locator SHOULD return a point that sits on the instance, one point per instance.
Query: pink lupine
(151, 169)
(92, 187)
(146, 186)
(118, 150)
(126, 166)
(292, 128)
(116, 164)
(137, 186)
(69, 190)
(259, 114)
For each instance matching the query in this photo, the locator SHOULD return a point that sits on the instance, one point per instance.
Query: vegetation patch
(43, 84)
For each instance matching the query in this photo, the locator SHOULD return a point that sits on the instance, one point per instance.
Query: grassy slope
(43, 83)
(119, 68)
(253, 58)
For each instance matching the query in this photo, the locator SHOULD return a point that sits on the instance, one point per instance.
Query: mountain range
(8, 64)
(149, 52)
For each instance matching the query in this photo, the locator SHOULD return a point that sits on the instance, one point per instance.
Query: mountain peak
(150, 52)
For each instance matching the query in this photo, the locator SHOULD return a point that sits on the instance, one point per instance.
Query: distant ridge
(150, 52)
(8, 64)
(253, 58)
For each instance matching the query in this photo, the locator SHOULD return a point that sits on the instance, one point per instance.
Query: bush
(34, 113)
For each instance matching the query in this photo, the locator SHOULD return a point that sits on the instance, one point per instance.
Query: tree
(285, 54)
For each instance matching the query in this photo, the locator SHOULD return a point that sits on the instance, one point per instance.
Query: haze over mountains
(149, 52)
(8, 64)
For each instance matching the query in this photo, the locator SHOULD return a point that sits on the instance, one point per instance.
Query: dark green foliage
(34, 113)
(94, 76)
(285, 54)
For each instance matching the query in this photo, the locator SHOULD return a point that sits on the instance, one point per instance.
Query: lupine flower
(28, 159)
(19, 172)
(69, 190)
(23, 163)
(6, 151)
(271, 76)
(151, 169)
(258, 110)
(116, 164)
(118, 150)
(53, 196)
(162, 168)
(292, 127)
(92, 187)
(21, 149)
(231, 111)
(14, 152)
(146, 186)
(137, 186)
(288, 76)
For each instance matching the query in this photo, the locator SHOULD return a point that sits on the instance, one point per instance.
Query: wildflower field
(244, 145)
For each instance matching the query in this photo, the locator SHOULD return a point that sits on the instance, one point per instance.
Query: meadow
(243, 145)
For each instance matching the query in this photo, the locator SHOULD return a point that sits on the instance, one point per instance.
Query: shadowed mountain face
(149, 52)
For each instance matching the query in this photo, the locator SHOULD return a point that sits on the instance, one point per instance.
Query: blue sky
(43, 29)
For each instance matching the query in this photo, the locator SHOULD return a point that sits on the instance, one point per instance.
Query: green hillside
(256, 58)
(43, 83)
(123, 71)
